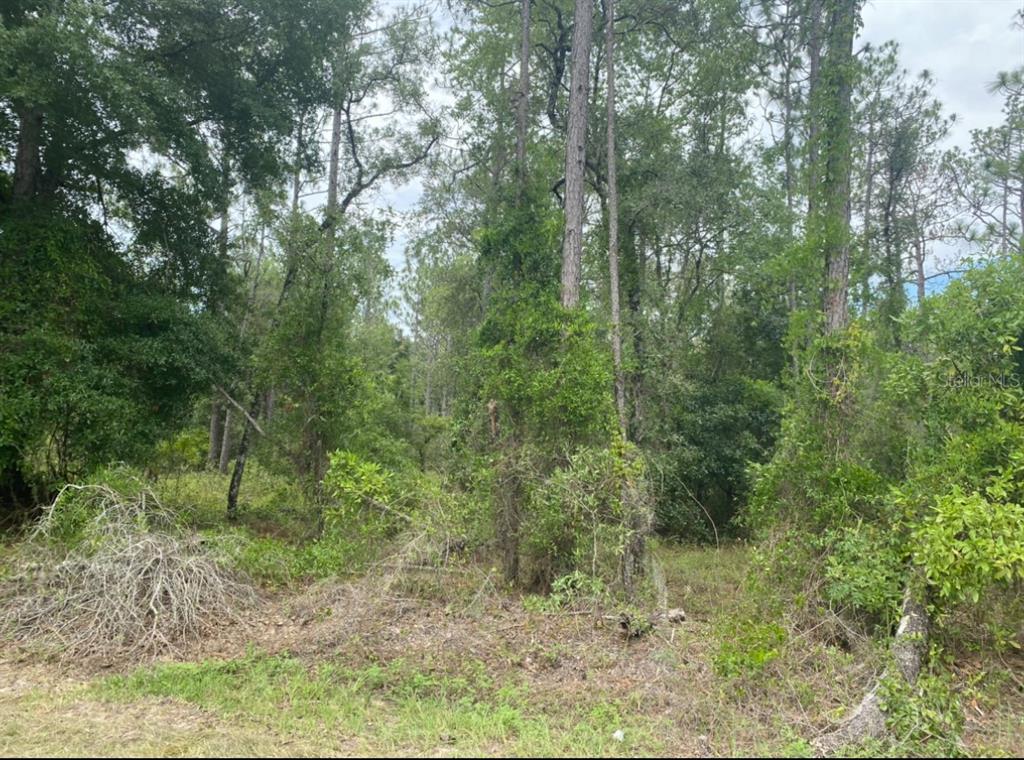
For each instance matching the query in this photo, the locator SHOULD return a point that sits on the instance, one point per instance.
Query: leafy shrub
(568, 591)
(579, 518)
(185, 451)
(918, 469)
(969, 542)
(546, 371)
(748, 648)
(928, 715)
(872, 587)
(97, 362)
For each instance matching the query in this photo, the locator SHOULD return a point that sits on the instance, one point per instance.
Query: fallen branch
(133, 586)
(909, 648)
(242, 409)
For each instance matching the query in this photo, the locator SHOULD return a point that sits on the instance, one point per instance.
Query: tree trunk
(316, 445)
(240, 460)
(523, 99)
(869, 194)
(575, 153)
(909, 649)
(216, 434)
(834, 116)
(919, 254)
(613, 219)
(268, 406)
(254, 409)
(225, 442)
(27, 162)
(814, 23)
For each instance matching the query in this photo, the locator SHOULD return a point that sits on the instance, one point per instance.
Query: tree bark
(241, 459)
(909, 649)
(833, 112)
(27, 161)
(225, 443)
(523, 99)
(919, 256)
(575, 153)
(613, 219)
(814, 23)
(216, 434)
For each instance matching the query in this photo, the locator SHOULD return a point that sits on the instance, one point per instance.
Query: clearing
(445, 664)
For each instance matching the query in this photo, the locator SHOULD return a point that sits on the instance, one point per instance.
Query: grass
(395, 708)
(420, 677)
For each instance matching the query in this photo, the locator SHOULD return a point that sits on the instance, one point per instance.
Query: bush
(928, 715)
(584, 515)
(968, 543)
(920, 467)
(185, 451)
(748, 648)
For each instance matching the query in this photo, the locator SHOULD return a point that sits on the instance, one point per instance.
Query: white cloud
(963, 43)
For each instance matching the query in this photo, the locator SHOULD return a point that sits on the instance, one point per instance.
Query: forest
(508, 378)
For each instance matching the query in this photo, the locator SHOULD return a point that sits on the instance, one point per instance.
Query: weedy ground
(433, 663)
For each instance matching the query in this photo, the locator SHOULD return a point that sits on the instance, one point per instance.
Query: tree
(831, 143)
(613, 218)
(374, 63)
(575, 152)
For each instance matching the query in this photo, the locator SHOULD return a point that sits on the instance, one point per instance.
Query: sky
(964, 43)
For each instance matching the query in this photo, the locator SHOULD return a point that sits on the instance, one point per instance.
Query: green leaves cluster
(926, 476)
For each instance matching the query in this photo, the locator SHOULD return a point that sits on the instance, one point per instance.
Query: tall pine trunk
(575, 153)
(831, 156)
(634, 514)
(613, 218)
(523, 98)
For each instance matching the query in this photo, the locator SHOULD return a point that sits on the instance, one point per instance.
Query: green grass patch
(393, 707)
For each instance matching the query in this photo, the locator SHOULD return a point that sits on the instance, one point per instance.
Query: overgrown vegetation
(732, 280)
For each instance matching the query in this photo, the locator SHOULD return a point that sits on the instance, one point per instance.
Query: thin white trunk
(613, 219)
(575, 153)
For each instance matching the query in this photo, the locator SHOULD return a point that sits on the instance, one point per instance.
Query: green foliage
(96, 363)
(968, 543)
(873, 587)
(719, 428)
(269, 503)
(916, 466)
(566, 592)
(547, 371)
(928, 715)
(359, 488)
(185, 451)
(275, 562)
(748, 648)
(362, 503)
(576, 519)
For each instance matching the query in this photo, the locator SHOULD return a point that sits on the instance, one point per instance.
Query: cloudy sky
(964, 43)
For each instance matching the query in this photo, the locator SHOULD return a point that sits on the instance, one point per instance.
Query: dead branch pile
(129, 586)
